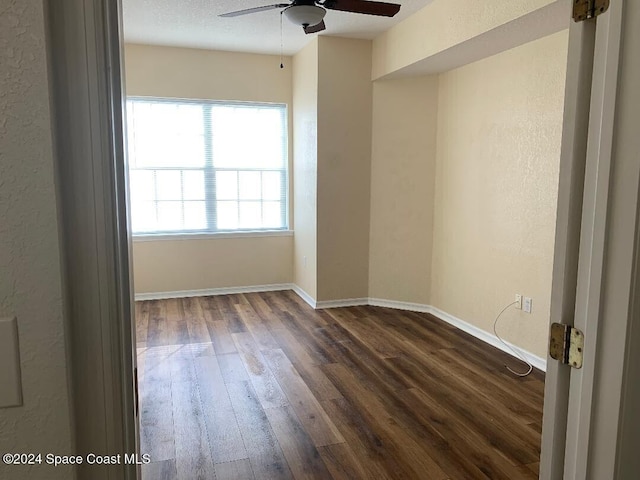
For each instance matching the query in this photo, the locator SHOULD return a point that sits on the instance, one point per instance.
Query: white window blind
(206, 167)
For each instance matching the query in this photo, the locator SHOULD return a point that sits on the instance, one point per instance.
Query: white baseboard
(413, 307)
(304, 295)
(538, 362)
(491, 339)
(348, 302)
(213, 291)
(317, 305)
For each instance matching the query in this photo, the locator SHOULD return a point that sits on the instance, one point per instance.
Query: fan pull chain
(281, 64)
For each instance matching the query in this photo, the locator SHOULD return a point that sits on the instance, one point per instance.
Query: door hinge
(566, 344)
(586, 9)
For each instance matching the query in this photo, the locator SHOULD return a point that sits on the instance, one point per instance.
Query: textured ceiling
(195, 24)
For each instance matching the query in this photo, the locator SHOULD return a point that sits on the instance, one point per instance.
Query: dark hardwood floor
(261, 386)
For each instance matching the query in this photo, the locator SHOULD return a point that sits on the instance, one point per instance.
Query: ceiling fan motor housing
(304, 14)
(309, 14)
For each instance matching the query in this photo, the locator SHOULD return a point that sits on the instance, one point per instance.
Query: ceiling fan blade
(254, 10)
(363, 6)
(314, 28)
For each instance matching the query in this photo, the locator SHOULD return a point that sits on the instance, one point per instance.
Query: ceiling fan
(309, 14)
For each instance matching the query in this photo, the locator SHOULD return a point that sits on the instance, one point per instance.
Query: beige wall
(332, 153)
(627, 146)
(498, 150)
(402, 188)
(205, 74)
(434, 190)
(441, 25)
(30, 276)
(344, 165)
(169, 266)
(305, 167)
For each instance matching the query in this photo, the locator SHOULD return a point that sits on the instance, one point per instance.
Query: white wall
(30, 275)
(195, 264)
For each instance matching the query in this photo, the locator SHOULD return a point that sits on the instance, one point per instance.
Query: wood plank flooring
(261, 386)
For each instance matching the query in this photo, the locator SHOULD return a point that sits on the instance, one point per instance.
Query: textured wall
(305, 166)
(210, 74)
(344, 167)
(403, 163)
(192, 264)
(30, 282)
(627, 135)
(498, 152)
(205, 74)
(440, 25)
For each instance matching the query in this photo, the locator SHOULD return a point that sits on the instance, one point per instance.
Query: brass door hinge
(586, 9)
(566, 344)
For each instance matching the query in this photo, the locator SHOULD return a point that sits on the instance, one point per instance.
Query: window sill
(209, 236)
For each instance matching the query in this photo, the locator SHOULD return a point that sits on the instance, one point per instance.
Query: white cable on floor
(515, 352)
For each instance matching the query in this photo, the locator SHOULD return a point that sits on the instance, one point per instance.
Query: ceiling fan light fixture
(304, 14)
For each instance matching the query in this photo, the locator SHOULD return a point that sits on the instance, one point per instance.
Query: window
(206, 167)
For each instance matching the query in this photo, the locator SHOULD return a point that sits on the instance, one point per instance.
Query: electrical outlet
(518, 301)
(527, 304)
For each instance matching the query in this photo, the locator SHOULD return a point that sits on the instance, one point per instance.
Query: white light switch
(10, 381)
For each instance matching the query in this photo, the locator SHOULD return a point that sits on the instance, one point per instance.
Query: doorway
(88, 338)
(488, 189)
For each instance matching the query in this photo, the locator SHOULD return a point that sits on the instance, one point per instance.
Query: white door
(594, 271)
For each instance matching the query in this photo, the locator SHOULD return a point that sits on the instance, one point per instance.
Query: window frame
(210, 170)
